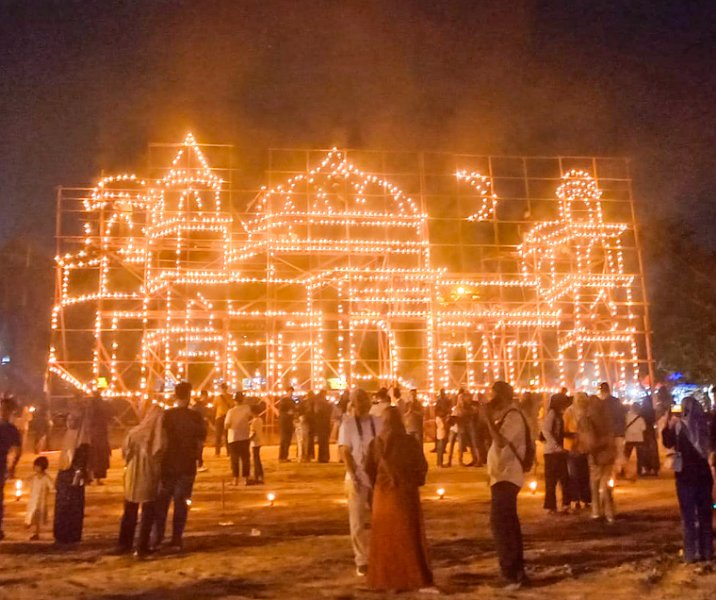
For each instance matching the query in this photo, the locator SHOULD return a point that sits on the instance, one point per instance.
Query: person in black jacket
(688, 436)
(286, 411)
(185, 431)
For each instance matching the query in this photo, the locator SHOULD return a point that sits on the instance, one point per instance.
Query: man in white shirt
(504, 466)
(357, 430)
(237, 423)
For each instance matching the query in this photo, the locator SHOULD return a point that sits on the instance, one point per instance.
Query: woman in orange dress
(398, 559)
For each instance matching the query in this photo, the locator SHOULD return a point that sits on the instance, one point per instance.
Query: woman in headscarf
(143, 449)
(71, 479)
(396, 466)
(688, 436)
(98, 428)
(578, 452)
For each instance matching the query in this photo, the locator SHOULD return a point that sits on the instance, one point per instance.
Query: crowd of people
(587, 444)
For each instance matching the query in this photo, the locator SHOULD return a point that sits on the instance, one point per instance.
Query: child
(40, 487)
(256, 432)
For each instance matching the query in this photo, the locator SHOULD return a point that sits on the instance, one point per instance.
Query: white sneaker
(362, 570)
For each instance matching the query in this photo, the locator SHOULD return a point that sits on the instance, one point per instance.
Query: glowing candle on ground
(18, 489)
(441, 493)
(271, 497)
(533, 486)
(611, 483)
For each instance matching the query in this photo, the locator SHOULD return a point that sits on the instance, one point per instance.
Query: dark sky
(86, 85)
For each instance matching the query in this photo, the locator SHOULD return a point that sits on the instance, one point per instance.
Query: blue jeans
(177, 488)
(696, 507)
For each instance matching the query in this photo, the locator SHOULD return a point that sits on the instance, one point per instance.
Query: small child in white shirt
(40, 489)
(256, 434)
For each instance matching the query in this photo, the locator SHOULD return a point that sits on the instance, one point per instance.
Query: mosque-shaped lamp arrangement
(335, 278)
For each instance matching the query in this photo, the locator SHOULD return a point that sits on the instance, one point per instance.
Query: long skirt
(398, 558)
(69, 509)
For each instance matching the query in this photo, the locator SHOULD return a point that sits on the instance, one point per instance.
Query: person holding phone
(688, 435)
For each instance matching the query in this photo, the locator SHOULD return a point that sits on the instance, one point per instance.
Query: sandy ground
(299, 548)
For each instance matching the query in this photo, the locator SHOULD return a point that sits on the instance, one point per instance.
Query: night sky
(84, 86)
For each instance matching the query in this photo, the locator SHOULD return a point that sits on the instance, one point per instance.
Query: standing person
(577, 452)
(222, 405)
(413, 416)
(184, 430)
(507, 460)
(617, 413)
(286, 412)
(688, 436)
(40, 490)
(143, 450)
(354, 437)
(382, 401)
(99, 449)
(10, 449)
(72, 477)
(40, 426)
(465, 427)
(237, 424)
(323, 411)
(597, 430)
(302, 428)
(396, 468)
(201, 405)
(441, 429)
(634, 440)
(256, 434)
(442, 409)
(453, 434)
(650, 449)
(555, 456)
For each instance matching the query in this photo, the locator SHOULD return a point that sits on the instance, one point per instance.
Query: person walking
(507, 460)
(184, 430)
(354, 437)
(72, 478)
(222, 404)
(555, 456)
(286, 412)
(580, 492)
(142, 450)
(598, 433)
(238, 431)
(10, 449)
(688, 437)
(396, 468)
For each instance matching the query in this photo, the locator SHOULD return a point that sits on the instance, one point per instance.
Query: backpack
(528, 462)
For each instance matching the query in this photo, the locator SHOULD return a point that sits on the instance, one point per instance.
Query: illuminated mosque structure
(327, 281)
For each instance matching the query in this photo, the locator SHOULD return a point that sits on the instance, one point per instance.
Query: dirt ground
(299, 548)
